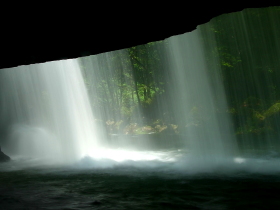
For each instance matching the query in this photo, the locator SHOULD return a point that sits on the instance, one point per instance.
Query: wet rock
(96, 202)
(4, 157)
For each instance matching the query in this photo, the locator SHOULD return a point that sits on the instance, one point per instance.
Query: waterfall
(48, 110)
(198, 97)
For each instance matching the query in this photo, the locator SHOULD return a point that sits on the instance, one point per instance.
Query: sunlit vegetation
(244, 46)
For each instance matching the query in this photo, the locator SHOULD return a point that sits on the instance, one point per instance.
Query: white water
(50, 118)
(198, 96)
(50, 111)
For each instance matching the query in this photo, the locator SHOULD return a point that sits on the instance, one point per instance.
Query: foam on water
(160, 163)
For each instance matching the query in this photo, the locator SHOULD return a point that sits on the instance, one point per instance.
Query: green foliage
(258, 115)
(243, 47)
(125, 80)
(274, 109)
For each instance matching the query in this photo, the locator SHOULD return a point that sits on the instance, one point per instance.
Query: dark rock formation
(4, 157)
(56, 38)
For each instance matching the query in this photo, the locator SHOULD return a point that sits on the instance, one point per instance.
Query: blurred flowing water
(51, 116)
(212, 139)
(63, 159)
(47, 108)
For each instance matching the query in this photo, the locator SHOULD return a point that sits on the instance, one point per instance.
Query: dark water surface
(130, 188)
